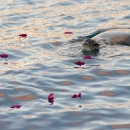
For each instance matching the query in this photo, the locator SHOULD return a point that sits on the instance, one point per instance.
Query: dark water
(34, 69)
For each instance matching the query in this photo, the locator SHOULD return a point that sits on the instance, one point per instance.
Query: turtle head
(89, 46)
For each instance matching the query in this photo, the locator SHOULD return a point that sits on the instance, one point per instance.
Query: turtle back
(117, 36)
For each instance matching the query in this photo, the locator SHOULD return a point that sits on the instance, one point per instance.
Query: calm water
(34, 69)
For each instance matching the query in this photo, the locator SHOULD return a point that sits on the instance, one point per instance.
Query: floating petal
(87, 57)
(16, 106)
(23, 35)
(79, 95)
(68, 32)
(3, 55)
(74, 96)
(79, 63)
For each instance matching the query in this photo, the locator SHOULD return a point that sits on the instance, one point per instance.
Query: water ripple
(43, 63)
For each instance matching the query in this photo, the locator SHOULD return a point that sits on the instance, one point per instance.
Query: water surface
(34, 69)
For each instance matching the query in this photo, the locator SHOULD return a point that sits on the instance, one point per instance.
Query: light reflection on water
(35, 69)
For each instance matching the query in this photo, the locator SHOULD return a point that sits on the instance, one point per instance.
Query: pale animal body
(117, 36)
(110, 38)
(114, 36)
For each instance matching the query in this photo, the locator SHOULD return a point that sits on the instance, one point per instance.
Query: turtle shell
(115, 36)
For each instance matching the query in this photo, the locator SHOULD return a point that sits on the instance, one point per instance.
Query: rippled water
(34, 69)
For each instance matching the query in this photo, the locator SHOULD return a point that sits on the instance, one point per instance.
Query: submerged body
(110, 42)
(115, 36)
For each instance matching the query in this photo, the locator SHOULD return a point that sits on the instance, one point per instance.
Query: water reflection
(120, 126)
(65, 82)
(87, 77)
(35, 69)
(2, 95)
(123, 71)
(103, 73)
(25, 97)
(108, 93)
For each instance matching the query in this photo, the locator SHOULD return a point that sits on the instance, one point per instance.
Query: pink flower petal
(16, 106)
(87, 57)
(51, 95)
(51, 98)
(68, 32)
(79, 63)
(74, 96)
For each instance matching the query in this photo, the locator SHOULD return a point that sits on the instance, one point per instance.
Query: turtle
(111, 37)
(106, 42)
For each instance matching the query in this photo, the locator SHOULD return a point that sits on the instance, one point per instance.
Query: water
(34, 69)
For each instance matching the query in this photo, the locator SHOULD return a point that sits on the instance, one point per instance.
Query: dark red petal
(87, 57)
(68, 32)
(18, 106)
(79, 63)
(12, 106)
(74, 96)
(51, 100)
(3, 55)
(23, 35)
(79, 95)
(82, 63)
